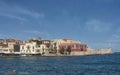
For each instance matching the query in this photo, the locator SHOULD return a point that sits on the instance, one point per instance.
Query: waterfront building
(2, 40)
(17, 48)
(43, 49)
(56, 44)
(74, 45)
(11, 46)
(48, 47)
(13, 40)
(53, 47)
(2, 45)
(28, 48)
(46, 42)
(33, 48)
(7, 46)
(5, 50)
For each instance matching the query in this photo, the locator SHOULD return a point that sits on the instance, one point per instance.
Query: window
(28, 47)
(22, 47)
(72, 46)
(33, 47)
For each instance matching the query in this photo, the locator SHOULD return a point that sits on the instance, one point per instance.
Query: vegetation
(52, 50)
(68, 49)
(37, 41)
(62, 50)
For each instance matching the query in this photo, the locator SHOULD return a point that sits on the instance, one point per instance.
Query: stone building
(65, 43)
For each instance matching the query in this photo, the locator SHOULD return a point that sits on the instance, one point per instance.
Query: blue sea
(77, 65)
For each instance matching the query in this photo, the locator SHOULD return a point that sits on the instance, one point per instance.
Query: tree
(37, 41)
(68, 49)
(52, 50)
(55, 50)
(62, 50)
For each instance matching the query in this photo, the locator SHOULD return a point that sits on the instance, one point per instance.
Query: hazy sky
(93, 22)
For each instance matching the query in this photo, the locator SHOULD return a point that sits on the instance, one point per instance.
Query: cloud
(36, 32)
(18, 12)
(12, 16)
(113, 41)
(114, 45)
(30, 13)
(97, 26)
(4, 35)
(116, 36)
(107, 35)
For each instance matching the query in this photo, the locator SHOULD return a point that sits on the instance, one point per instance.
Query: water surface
(82, 65)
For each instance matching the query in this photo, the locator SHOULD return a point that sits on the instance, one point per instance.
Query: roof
(71, 43)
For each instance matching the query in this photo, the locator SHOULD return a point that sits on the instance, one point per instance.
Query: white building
(32, 48)
(5, 50)
(28, 48)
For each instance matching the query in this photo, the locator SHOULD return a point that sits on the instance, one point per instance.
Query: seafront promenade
(95, 52)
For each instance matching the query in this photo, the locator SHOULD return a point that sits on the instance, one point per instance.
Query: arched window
(22, 47)
(33, 47)
(28, 47)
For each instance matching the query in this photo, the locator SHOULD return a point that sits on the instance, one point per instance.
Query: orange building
(74, 46)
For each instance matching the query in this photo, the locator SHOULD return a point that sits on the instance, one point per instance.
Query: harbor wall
(93, 52)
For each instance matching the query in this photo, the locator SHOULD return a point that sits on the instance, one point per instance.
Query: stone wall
(92, 52)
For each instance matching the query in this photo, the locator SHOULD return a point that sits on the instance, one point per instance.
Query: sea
(65, 65)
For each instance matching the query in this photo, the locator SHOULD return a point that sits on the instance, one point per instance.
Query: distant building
(5, 50)
(74, 45)
(46, 42)
(13, 40)
(16, 47)
(11, 46)
(33, 48)
(28, 48)
(2, 45)
(43, 49)
(2, 40)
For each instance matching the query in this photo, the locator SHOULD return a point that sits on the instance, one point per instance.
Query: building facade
(28, 48)
(65, 43)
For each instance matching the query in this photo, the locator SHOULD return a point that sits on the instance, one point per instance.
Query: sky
(93, 22)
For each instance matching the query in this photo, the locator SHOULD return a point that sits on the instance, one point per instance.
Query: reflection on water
(83, 65)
